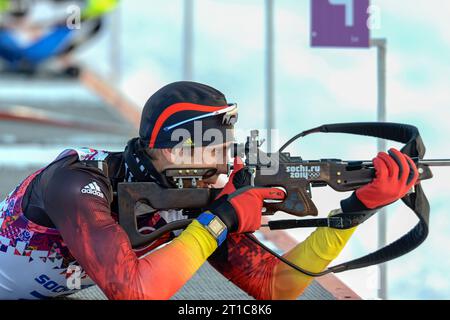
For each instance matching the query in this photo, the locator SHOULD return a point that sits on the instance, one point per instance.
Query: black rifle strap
(416, 200)
(339, 221)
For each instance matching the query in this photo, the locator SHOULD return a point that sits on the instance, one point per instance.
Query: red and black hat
(180, 105)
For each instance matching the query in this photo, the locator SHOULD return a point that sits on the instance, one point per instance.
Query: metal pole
(188, 39)
(269, 73)
(380, 44)
(115, 55)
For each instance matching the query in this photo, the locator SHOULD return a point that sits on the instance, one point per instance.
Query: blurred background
(84, 98)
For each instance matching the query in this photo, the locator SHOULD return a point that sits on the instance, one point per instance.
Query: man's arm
(258, 272)
(102, 247)
(264, 277)
(314, 254)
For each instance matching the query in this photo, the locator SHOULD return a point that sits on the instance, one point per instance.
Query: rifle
(296, 176)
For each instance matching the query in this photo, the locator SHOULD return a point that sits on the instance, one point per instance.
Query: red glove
(239, 178)
(396, 174)
(239, 205)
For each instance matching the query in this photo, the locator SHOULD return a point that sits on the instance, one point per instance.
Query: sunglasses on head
(230, 116)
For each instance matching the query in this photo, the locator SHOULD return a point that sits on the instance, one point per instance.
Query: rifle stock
(158, 198)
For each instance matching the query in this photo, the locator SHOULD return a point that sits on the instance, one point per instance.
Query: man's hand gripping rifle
(296, 177)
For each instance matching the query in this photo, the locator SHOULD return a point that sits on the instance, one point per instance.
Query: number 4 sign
(339, 23)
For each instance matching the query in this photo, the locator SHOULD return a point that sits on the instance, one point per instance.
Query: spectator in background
(56, 38)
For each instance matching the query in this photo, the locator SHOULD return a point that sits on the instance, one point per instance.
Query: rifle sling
(416, 201)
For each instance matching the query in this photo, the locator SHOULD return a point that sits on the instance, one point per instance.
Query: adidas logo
(94, 189)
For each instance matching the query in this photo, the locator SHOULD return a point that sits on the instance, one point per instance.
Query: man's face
(218, 157)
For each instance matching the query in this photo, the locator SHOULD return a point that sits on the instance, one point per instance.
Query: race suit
(62, 220)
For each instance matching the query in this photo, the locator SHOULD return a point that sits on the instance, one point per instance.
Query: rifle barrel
(426, 162)
(436, 162)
